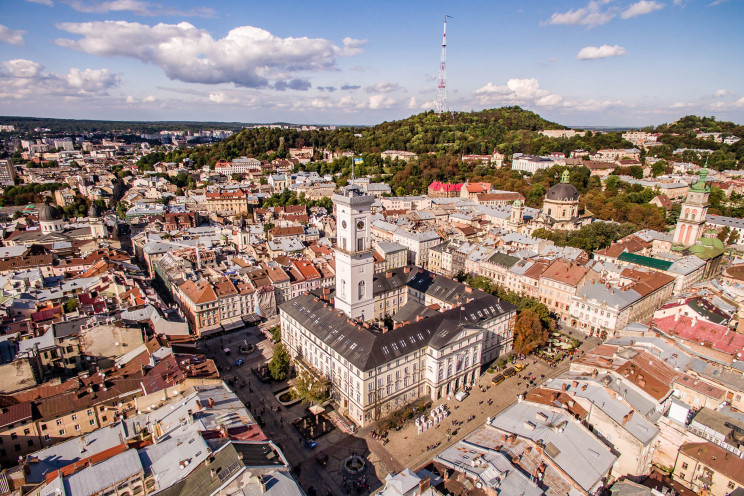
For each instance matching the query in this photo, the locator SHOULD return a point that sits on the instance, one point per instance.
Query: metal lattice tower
(442, 85)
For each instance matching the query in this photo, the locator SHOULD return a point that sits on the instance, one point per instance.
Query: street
(405, 447)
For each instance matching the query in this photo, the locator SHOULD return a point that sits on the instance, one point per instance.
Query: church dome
(563, 192)
(49, 213)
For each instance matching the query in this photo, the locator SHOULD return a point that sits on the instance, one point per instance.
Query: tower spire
(442, 85)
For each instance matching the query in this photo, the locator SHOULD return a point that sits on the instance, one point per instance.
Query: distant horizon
(264, 123)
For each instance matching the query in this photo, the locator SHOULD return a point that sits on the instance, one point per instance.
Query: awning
(231, 326)
(251, 317)
(316, 409)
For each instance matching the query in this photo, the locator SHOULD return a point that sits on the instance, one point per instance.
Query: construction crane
(442, 85)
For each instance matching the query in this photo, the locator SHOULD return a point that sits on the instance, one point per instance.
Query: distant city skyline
(615, 63)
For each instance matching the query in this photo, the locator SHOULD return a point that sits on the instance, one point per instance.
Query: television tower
(442, 86)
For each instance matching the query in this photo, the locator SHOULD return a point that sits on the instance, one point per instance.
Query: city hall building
(442, 333)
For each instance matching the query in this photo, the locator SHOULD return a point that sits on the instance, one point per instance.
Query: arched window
(362, 289)
(550, 211)
(343, 286)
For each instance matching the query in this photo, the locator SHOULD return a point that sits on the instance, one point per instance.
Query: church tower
(516, 217)
(354, 258)
(694, 210)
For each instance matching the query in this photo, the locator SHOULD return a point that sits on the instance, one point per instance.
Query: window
(26, 432)
(89, 412)
(92, 421)
(362, 290)
(47, 437)
(77, 427)
(13, 435)
(61, 432)
(17, 447)
(731, 485)
(30, 443)
(74, 416)
(59, 421)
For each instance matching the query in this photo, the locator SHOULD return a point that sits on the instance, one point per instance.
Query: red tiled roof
(715, 336)
(440, 186)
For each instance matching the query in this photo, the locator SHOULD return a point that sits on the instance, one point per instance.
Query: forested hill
(508, 129)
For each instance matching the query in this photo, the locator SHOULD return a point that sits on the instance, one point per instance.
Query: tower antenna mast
(442, 85)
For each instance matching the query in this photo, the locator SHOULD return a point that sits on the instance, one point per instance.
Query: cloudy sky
(603, 62)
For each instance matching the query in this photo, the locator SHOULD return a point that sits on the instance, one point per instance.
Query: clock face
(343, 224)
(360, 225)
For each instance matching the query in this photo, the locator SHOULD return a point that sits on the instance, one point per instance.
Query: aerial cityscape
(411, 249)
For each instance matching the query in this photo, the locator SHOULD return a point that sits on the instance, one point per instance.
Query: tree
(529, 333)
(724, 234)
(734, 237)
(276, 333)
(279, 364)
(70, 305)
(310, 388)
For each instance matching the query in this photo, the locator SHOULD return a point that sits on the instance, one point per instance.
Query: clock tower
(354, 259)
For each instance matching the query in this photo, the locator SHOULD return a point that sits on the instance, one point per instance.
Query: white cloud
(382, 87)
(527, 92)
(130, 100)
(48, 3)
(739, 102)
(517, 91)
(641, 8)
(352, 46)
(721, 93)
(21, 78)
(247, 56)
(591, 16)
(148, 99)
(137, 7)
(591, 52)
(717, 2)
(377, 102)
(21, 68)
(681, 105)
(411, 103)
(11, 36)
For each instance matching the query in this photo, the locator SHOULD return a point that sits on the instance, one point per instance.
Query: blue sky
(577, 62)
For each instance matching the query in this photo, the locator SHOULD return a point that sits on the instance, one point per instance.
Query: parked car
(510, 372)
(519, 367)
(498, 379)
(461, 395)
(311, 444)
(239, 362)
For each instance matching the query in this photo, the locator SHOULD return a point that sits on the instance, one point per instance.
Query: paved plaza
(405, 447)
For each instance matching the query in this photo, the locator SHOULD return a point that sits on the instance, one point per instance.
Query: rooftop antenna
(442, 86)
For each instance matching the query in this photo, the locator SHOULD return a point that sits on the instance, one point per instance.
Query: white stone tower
(354, 259)
(694, 210)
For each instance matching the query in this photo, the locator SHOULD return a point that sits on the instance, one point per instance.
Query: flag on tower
(358, 161)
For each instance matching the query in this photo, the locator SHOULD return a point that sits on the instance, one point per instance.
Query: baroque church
(441, 333)
(560, 211)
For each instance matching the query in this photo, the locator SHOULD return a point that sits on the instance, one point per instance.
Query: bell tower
(354, 258)
(694, 211)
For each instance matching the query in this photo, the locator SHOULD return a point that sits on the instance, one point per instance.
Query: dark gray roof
(366, 348)
(411, 310)
(48, 212)
(563, 192)
(69, 327)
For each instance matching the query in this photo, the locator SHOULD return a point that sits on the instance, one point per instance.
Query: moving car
(519, 367)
